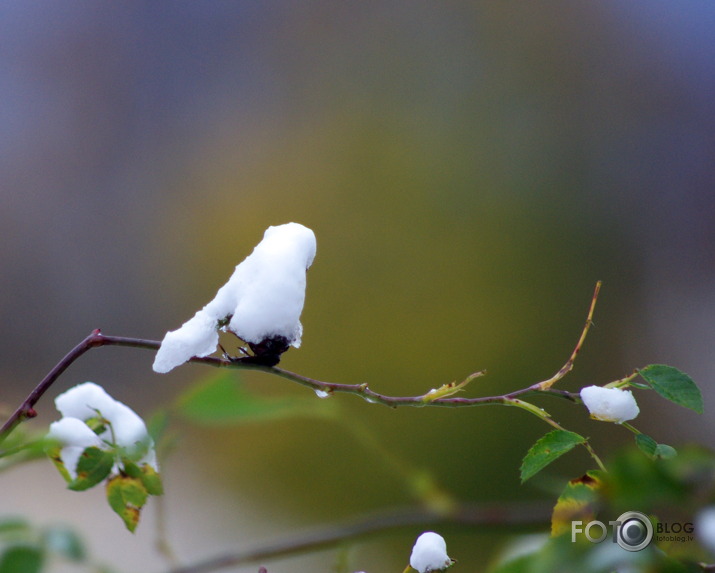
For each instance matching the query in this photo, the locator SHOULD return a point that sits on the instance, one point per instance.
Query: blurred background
(470, 170)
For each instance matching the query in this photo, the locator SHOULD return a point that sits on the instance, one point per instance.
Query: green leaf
(159, 428)
(53, 449)
(157, 425)
(18, 449)
(97, 424)
(21, 558)
(93, 466)
(552, 446)
(152, 480)
(222, 400)
(135, 451)
(673, 385)
(126, 496)
(665, 451)
(646, 444)
(149, 477)
(634, 480)
(653, 449)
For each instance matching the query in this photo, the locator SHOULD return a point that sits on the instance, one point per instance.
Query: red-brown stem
(95, 339)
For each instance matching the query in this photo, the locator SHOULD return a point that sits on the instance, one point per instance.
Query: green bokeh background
(470, 171)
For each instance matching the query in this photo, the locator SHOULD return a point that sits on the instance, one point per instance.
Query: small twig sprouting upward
(566, 368)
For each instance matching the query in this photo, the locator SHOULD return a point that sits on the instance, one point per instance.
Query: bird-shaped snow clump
(261, 303)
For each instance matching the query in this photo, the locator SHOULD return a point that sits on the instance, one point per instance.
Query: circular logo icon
(635, 531)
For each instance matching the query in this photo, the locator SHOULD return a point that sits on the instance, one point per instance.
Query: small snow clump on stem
(430, 553)
(117, 425)
(610, 404)
(261, 303)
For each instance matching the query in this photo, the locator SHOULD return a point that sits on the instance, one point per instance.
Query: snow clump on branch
(430, 553)
(261, 303)
(610, 404)
(92, 418)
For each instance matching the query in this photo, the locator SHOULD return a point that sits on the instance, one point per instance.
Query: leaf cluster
(667, 381)
(127, 489)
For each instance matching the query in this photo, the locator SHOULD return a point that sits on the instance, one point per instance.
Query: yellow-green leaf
(126, 496)
(53, 450)
(577, 502)
(146, 474)
(151, 480)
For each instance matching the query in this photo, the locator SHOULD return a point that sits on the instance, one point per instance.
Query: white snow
(610, 404)
(263, 298)
(705, 527)
(430, 553)
(75, 436)
(196, 337)
(125, 428)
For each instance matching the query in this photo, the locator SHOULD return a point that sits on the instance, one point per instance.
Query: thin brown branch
(26, 409)
(486, 516)
(96, 339)
(369, 395)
